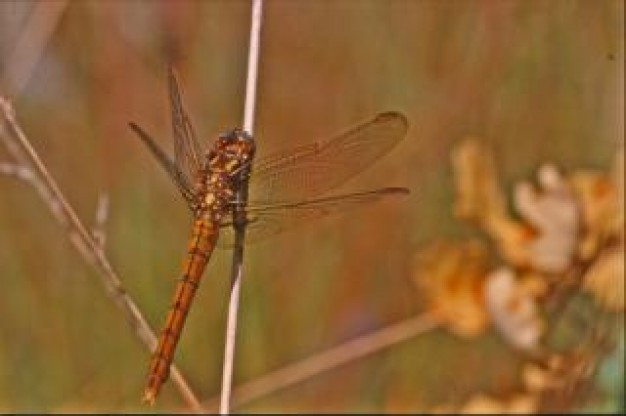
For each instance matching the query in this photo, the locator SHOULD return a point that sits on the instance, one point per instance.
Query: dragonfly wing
(266, 221)
(186, 148)
(314, 169)
(179, 178)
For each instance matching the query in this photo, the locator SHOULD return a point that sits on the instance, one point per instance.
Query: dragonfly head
(234, 149)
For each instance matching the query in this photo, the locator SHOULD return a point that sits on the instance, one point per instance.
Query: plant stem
(24, 154)
(333, 357)
(239, 214)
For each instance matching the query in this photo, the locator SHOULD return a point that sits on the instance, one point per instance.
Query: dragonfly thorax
(226, 165)
(231, 152)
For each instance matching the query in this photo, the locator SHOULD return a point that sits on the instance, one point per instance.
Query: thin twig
(102, 214)
(25, 156)
(253, 65)
(18, 171)
(33, 39)
(231, 324)
(237, 268)
(330, 359)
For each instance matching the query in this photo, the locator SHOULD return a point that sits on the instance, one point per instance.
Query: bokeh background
(537, 80)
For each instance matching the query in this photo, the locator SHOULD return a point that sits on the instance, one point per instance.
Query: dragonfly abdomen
(201, 245)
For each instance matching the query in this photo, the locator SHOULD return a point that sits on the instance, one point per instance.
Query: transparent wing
(179, 178)
(308, 171)
(186, 148)
(266, 221)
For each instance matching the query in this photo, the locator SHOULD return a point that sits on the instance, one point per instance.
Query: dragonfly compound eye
(230, 135)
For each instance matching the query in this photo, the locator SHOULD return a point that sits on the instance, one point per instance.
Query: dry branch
(13, 169)
(330, 359)
(27, 160)
(102, 215)
(237, 265)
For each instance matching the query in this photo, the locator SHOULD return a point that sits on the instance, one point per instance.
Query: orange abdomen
(201, 245)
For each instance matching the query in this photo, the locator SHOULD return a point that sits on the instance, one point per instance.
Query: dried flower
(546, 239)
(552, 211)
(479, 197)
(513, 308)
(538, 379)
(605, 279)
(600, 209)
(451, 279)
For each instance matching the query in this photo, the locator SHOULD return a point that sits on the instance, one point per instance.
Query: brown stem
(329, 359)
(22, 151)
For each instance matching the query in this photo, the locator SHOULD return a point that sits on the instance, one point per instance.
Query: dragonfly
(286, 189)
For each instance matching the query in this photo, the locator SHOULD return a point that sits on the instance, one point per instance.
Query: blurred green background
(539, 80)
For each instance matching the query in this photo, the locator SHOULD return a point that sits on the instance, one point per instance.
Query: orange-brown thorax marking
(216, 186)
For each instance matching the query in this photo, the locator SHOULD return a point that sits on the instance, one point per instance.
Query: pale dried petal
(513, 239)
(482, 404)
(537, 379)
(513, 309)
(618, 180)
(605, 280)
(553, 212)
(523, 404)
(600, 210)
(478, 193)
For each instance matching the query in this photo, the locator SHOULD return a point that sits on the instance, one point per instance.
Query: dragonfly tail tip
(149, 397)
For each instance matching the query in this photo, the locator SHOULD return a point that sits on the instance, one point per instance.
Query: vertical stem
(231, 325)
(239, 213)
(253, 65)
(331, 358)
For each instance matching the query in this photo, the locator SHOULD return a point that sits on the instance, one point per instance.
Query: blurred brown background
(539, 80)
